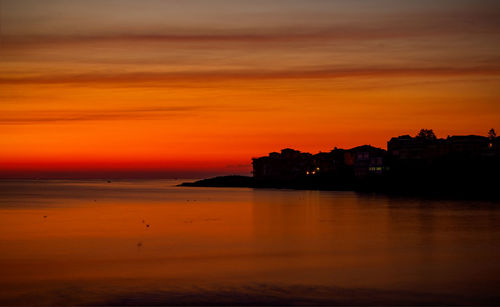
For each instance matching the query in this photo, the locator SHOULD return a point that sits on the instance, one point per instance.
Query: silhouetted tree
(426, 134)
(492, 134)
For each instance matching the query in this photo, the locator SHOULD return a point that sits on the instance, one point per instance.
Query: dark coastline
(465, 167)
(383, 187)
(231, 181)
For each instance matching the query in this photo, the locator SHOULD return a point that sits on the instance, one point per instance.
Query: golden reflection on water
(97, 242)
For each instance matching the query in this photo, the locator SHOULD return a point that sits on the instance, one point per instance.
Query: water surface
(150, 242)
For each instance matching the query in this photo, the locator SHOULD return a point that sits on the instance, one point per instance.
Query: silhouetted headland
(459, 166)
(222, 181)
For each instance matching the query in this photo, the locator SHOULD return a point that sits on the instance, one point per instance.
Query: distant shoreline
(236, 181)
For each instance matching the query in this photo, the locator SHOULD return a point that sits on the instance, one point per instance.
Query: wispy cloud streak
(151, 113)
(35, 117)
(163, 78)
(405, 25)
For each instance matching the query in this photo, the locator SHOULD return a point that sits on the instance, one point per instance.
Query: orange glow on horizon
(101, 97)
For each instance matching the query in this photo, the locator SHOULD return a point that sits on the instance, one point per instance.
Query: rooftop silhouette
(460, 165)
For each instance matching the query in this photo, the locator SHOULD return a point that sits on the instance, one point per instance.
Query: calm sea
(152, 243)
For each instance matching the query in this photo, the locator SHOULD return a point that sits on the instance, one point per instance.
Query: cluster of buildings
(365, 161)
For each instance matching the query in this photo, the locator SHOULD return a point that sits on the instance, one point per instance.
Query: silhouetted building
(468, 144)
(422, 162)
(287, 165)
(329, 162)
(367, 160)
(406, 147)
(290, 164)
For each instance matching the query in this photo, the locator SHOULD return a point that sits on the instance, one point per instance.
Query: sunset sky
(196, 88)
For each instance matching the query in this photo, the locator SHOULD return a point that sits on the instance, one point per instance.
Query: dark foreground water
(88, 242)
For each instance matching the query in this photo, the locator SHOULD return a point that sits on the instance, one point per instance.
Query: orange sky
(194, 88)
